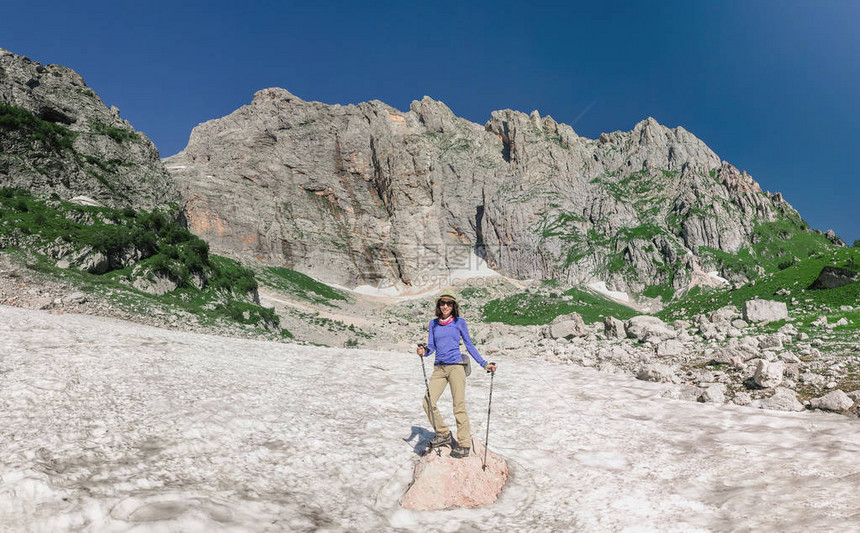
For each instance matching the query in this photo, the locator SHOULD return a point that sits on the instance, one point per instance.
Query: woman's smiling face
(446, 306)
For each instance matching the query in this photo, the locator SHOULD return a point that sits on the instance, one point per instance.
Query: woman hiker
(444, 336)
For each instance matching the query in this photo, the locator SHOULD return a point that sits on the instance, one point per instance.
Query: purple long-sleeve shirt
(445, 341)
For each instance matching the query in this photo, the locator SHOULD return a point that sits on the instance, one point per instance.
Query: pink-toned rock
(443, 482)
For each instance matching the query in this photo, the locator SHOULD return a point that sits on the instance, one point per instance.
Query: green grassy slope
(299, 285)
(543, 305)
(787, 285)
(209, 286)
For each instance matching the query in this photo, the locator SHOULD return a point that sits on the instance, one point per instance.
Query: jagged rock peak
(275, 94)
(518, 117)
(429, 101)
(434, 114)
(650, 129)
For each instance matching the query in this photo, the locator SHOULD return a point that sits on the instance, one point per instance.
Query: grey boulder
(656, 372)
(648, 327)
(764, 311)
(567, 327)
(614, 328)
(782, 400)
(769, 374)
(832, 401)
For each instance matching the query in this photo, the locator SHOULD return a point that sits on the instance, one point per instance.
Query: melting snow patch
(474, 268)
(600, 287)
(716, 275)
(376, 291)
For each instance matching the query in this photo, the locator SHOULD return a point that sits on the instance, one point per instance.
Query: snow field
(112, 426)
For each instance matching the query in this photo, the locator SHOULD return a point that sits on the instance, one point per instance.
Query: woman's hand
(420, 350)
(491, 367)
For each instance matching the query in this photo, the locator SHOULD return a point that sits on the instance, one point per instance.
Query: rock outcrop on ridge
(58, 137)
(367, 194)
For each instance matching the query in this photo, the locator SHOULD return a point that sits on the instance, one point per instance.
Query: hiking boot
(459, 452)
(440, 440)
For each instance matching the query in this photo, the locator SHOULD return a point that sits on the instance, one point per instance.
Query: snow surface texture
(113, 426)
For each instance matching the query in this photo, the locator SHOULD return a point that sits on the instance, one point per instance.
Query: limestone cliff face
(57, 137)
(366, 194)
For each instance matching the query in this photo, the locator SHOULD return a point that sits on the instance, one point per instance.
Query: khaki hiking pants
(454, 375)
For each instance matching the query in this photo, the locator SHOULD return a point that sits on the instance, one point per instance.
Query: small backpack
(467, 364)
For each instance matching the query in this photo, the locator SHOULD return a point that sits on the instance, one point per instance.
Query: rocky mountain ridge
(369, 195)
(83, 194)
(366, 194)
(58, 137)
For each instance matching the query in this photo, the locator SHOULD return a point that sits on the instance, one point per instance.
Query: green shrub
(20, 205)
(194, 255)
(144, 241)
(50, 135)
(251, 314)
(160, 264)
(119, 135)
(174, 234)
(230, 276)
(155, 220)
(171, 252)
(785, 264)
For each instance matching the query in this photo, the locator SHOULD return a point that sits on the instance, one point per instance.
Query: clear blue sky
(773, 87)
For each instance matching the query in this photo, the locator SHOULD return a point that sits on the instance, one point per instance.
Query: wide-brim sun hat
(448, 295)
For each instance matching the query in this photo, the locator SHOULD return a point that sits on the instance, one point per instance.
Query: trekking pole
(489, 405)
(427, 386)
